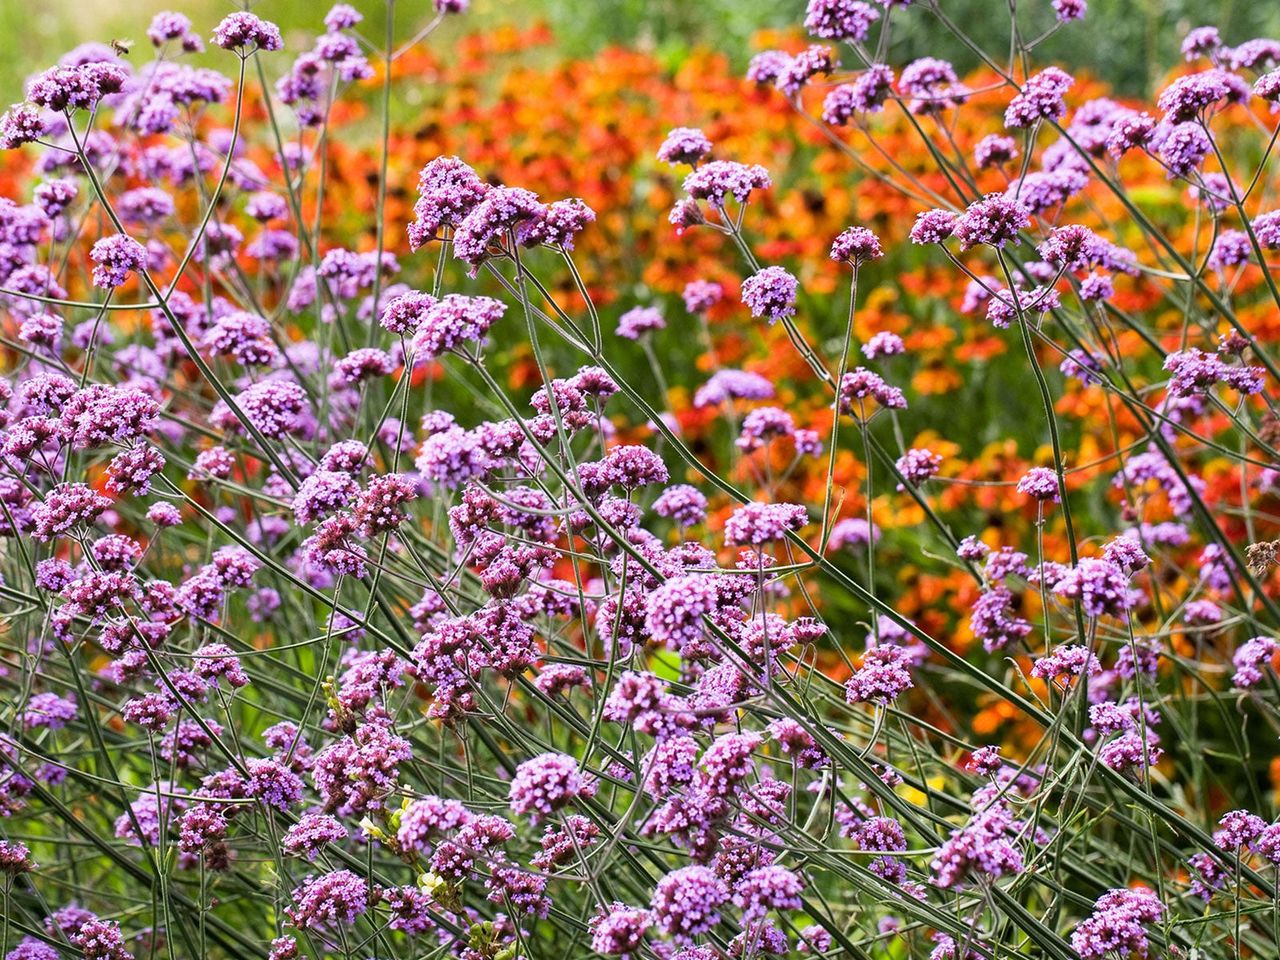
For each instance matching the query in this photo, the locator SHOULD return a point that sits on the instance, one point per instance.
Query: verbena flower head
(684, 145)
(246, 32)
(856, 245)
(995, 220)
(116, 257)
(771, 294)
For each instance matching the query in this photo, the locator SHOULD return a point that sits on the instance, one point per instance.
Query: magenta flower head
(1041, 99)
(765, 67)
(78, 87)
(840, 19)
(326, 901)
(21, 123)
(882, 677)
(15, 858)
(768, 888)
(168, 26)
(933, 226)
(856, 245)
(545, 784)
(559, 224)
(501, 209)
(755, 523)
(720, 179)
(633, 466)
(1266, 226)
(1065, 11)
(866, 94)
(994, 150)
(917, 465)
(684, 145)
(701, 295)
(804, 66)
(995, 220)
(1201, 42)
(116, 257)
(861, 384)
(618, 930)
(1039, 483)
(246, 32)
(686, 902)
(638, 321)
(1188, 97)
(1267, 87)
(449, 323)
(406, 313)
(1116, 926)
(771, 293)
(448, 190)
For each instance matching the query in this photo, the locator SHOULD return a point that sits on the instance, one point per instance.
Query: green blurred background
(1131, 43)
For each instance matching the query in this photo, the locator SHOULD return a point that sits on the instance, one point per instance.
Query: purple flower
(619, 930)
(732, 385)
(447, 324)
(1068, 660)
(720, 179)
(558, 224)
(49, 710)
(1249, 659)
(325, 901)
(767, 66)
(701, 295)
(770, 293)
(1266, 227)
(684, 504)
(996, 220)
(918, 465)
(856, 245)
(448, 190)
(1041, 98)
(1039, 483)
(1238, 829)
(861, 384)
(240, 29)
(116, 257)
(994, 150)
(866, 94)
(633, 466)
(1182, 148)
(933, 226)
(982, 847)
(1201, 42)
(21, 123)
(544, 784)
(932, 86)
(100, 940)
(501, 209)
(757, 523)
(684, 145)
(883, 344)
(881, 677)
(1188, 97)
(638, 321)
(686, 902)
(1232, 248)
(1115, 928)
(803, 67)
(839, 19)
(65, 506)
(767, 888)
(1067, 10)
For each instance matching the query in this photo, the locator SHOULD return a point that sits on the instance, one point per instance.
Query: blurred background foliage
(1129, 43)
